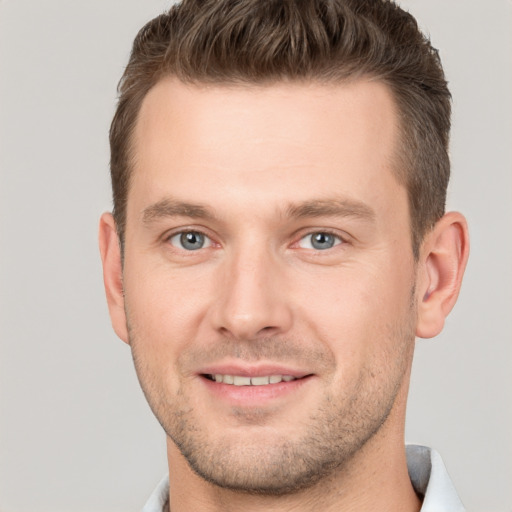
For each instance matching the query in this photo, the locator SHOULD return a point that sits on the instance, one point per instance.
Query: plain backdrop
(75, 432)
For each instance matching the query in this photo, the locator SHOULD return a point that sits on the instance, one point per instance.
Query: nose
(252, 300)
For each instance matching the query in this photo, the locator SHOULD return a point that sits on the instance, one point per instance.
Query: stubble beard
(339, 428)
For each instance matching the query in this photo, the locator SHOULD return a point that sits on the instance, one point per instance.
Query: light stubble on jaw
(285, 466)
(338, 429)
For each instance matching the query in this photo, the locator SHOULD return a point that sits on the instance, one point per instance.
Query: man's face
(268, 242)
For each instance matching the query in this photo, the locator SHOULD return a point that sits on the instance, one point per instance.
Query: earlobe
(113, 274)
(443, 258)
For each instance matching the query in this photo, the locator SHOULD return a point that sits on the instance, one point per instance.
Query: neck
(376, 479)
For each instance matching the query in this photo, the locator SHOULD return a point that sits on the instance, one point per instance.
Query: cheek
(357, 311)
(165, 308)
(163, 320)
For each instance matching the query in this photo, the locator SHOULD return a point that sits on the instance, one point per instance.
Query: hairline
(401, 159)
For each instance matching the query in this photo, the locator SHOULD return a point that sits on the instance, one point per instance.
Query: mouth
(242, 380)
(249, 387)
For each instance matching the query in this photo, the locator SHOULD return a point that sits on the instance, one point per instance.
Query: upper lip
(252, 370)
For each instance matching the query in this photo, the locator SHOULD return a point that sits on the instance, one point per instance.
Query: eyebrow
(334, 207)
(331, 207)
(171, 208)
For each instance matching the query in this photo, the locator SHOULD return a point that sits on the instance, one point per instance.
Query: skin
(257, 171)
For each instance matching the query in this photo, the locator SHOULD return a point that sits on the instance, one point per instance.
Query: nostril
(247, 320)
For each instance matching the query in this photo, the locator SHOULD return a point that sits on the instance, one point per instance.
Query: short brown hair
(265, 41)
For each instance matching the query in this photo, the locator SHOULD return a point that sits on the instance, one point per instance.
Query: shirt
(426, 470)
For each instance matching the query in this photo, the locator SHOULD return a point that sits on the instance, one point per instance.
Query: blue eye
(319, 241)
(190, 240)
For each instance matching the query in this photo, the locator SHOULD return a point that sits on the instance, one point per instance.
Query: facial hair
(273, 463)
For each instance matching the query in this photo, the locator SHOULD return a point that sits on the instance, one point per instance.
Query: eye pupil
(322, 240)
(192, 240)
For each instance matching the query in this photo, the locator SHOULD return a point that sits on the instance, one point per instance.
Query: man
(278, 240)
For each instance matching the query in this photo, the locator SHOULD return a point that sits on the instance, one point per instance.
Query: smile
(240, 380)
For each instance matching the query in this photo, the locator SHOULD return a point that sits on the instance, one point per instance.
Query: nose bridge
(252, 298)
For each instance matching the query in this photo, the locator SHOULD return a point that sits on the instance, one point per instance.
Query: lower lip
(253, 395)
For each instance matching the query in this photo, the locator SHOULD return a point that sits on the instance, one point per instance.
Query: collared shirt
(426, 470)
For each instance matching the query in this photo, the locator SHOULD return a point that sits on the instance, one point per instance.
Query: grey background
(75, 431)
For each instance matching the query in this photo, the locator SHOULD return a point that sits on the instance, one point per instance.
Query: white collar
(430, 479)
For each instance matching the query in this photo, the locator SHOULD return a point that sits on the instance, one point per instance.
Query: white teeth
(259, 381)
(239, 380)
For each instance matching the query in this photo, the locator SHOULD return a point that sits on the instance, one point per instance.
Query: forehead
(281, 142)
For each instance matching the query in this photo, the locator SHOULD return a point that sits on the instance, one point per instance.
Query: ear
(443, 257)
(113, 274)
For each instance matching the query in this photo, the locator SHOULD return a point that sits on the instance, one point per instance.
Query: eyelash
(339, 240)
(183, 232)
